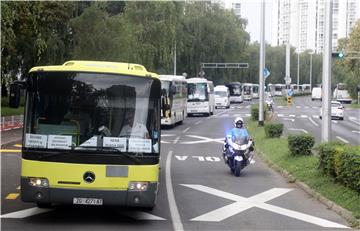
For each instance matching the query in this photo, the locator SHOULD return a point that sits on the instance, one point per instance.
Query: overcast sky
(250, 9)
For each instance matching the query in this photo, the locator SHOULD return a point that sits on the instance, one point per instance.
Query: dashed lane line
(342, 139)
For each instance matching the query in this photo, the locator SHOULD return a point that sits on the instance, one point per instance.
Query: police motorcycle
(238, 148)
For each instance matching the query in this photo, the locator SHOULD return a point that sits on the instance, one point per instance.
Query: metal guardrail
(11, 122)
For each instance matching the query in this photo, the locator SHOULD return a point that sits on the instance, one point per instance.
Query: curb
(346, 214)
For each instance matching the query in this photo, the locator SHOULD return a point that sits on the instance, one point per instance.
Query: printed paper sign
(35, 140)
(115, 142)
(59, 142)
(139, 145)
(92, 142)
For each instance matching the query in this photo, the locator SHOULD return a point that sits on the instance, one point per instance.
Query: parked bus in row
(341, 94)
(235, 89)
(306, 88)
(247, 91)
(255, 88)
(222, 96)
(279, 89)
(173, 99)
(201, 99)
(91, 134)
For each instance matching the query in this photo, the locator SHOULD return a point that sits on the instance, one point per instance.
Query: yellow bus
(91, 134)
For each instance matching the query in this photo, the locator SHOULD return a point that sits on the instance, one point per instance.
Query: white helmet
(238, 122)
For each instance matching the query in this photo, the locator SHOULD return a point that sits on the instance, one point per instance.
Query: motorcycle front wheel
(237, 168)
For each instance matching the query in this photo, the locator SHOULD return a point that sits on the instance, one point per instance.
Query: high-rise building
(302, 22)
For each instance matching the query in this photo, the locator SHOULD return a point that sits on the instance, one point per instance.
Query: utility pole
(262, 64)
(326, 75)
(298, 69)
(175, 59)
(311, 71)
(287, 68)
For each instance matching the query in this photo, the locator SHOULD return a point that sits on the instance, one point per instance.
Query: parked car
(337, 110)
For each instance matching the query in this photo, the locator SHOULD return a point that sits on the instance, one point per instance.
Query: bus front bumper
(109, 197)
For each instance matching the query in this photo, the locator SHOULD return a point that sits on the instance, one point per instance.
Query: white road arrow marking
(298, 129)
(242, 204)
(25, 213)
(203, 140)
(138, 215)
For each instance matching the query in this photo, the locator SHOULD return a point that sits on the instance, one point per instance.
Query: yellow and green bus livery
(91, 135)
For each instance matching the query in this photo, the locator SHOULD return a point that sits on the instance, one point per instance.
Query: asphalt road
(197, 191)
(303, 117)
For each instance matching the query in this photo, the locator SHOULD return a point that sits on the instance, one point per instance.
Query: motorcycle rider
(238, 131)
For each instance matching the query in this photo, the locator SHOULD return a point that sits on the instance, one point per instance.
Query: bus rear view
(91, 135)
(201, 99)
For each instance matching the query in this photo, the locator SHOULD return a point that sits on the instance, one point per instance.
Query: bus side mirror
(14, 98)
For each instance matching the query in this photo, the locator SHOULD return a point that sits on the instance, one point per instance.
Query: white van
(222, 96)
(316, 93)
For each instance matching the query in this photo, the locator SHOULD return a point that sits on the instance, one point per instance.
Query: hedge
(255, 112)
(341, 162)
(300, 144)
(274, 129)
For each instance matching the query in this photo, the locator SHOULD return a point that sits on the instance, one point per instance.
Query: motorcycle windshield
(240, 136)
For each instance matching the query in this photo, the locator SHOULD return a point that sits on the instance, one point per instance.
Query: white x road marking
(241, 204)
(203, 140)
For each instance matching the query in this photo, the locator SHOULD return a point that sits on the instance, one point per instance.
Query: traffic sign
(266, 73)
(290, 92)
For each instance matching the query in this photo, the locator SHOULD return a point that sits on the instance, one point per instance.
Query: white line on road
(280, 115)
(187, 129)
(334, 121)
(198, 122)
(25, 213)
(304, 116)
(176, 140)
(298, 129)
(138, 215)
(354, 121)
(356, 132)
(241, 204)
(174, 212)
(342, 139)
(292, 120)
(313, 122)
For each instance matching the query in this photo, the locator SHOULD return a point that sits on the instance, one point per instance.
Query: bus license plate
(87, 201)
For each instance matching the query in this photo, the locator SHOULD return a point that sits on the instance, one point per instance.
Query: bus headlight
(38, 182)
(138, 186)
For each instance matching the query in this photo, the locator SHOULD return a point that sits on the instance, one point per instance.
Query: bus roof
(221, 87)
(99, 67)
(197, 80)
(173, 77)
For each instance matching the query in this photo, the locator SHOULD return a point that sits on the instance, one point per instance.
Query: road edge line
(174, 212)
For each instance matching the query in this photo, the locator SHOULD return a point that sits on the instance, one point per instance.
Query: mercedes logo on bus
(89, 177)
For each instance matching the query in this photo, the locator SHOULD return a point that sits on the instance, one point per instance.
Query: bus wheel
(43, 205)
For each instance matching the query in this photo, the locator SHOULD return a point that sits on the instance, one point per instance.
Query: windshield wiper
(109, 150)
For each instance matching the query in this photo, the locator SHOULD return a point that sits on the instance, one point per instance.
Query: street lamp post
(311, 70)
(298, 69)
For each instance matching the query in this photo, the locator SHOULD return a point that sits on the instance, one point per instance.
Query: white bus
(235, 89)
(222, 96)
(247, 91)
(341, 94)
(255, 88)
(173, 99)
(201, 98)
(279, 89)
(306, 88)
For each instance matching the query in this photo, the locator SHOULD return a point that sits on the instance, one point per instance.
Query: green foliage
(273, 129)
(254, 110)
(300, 144)
(341, 162)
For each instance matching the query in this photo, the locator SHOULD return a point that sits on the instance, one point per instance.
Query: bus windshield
(341, 86)
(92, 111)
(165, 86)
(197, 92)
(255, 89)
(247, 90)
(221, 94)
(235, 90)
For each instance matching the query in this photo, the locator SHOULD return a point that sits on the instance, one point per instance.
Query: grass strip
(6, 111)
(305, 169)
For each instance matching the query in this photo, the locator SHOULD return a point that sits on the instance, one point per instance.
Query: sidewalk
(11, 136)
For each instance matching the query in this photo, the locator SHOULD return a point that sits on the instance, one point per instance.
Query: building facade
(302, 22)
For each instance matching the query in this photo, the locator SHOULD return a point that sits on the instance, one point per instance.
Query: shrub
(341, 162)
(328, 152)
(349, 168)
(274, 129)
(301, 144)
(255, 112)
